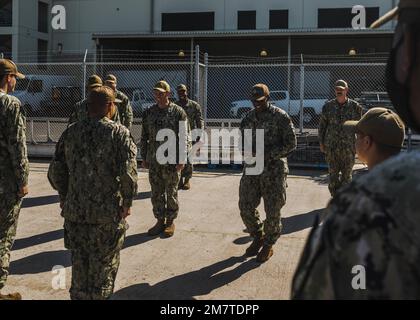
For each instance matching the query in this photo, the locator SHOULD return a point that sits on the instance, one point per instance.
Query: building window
(43, 17)
(188, 21)
(279, 19)
(247, 20)
(6, 46)
(342, 17)
(6, 13)
(42, 51)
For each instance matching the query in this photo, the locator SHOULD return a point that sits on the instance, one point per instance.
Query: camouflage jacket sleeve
(312, 279)
(361, 251)
(199, 122)
(126, 111)
(241, 145)
(58, 172)
(73, 115)
(185, 134)
(16, 127)
(359, 110)
(144, 140)
(323, 123)
(127, 168)
(288, 139)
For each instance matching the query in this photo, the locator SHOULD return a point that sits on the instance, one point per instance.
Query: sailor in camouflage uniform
(81, 109)
(124, 108)
(279, 142)
(94, 171)
(164, 177)
(14, 166)
(369, 245)
(338, 144)
(195, 119)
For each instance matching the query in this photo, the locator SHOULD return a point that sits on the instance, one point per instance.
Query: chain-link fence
(299, 89)
(50, 91)
(299, 85)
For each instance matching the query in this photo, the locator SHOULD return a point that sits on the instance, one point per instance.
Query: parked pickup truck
(312, 108)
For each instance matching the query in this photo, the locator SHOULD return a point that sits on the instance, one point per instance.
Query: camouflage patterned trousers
(340, 166)
(271, 186)
(164, 182)
(187, 172)
(95, 257)
(9, 214)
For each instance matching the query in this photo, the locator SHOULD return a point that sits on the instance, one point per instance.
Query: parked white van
(36, 88)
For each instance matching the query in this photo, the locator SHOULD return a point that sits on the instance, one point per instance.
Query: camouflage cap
(9, 67)
(111, 78)
(94, 81)
(260, 91)
(162, 86)
(394, 13)
(181, 87)
(101, 95)
(341, 84)
(383, 125)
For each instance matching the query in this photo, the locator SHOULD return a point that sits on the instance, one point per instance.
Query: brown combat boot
(265, 253)
(157, 228)
(187, 185)
(255, 246)
(181, 184)
(169, 229)
(11, 296)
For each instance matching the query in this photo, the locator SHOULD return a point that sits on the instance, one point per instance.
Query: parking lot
(204, 259)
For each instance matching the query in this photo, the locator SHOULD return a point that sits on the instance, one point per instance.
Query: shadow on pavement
(136, 239)
(132, 240)
(290, 225)
(242, 240)
(300, 222)
(38, 239)
(189, 285)
(41, 262)
(40, 201)
(143, 195)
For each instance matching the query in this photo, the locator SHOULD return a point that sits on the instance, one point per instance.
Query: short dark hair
(383, 149)
(386, 150)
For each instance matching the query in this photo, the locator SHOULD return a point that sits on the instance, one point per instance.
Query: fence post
(197, 74)
(289, 62)
(84, 74)
(409, 142)
(205, 93)
(31, 126)
(302, 93)
(49, 139)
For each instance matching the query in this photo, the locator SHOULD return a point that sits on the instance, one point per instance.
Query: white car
(312, 108)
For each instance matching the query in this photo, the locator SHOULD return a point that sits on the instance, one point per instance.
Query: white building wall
(87, 17)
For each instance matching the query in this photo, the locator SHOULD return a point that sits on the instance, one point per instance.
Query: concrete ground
(202, 261)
